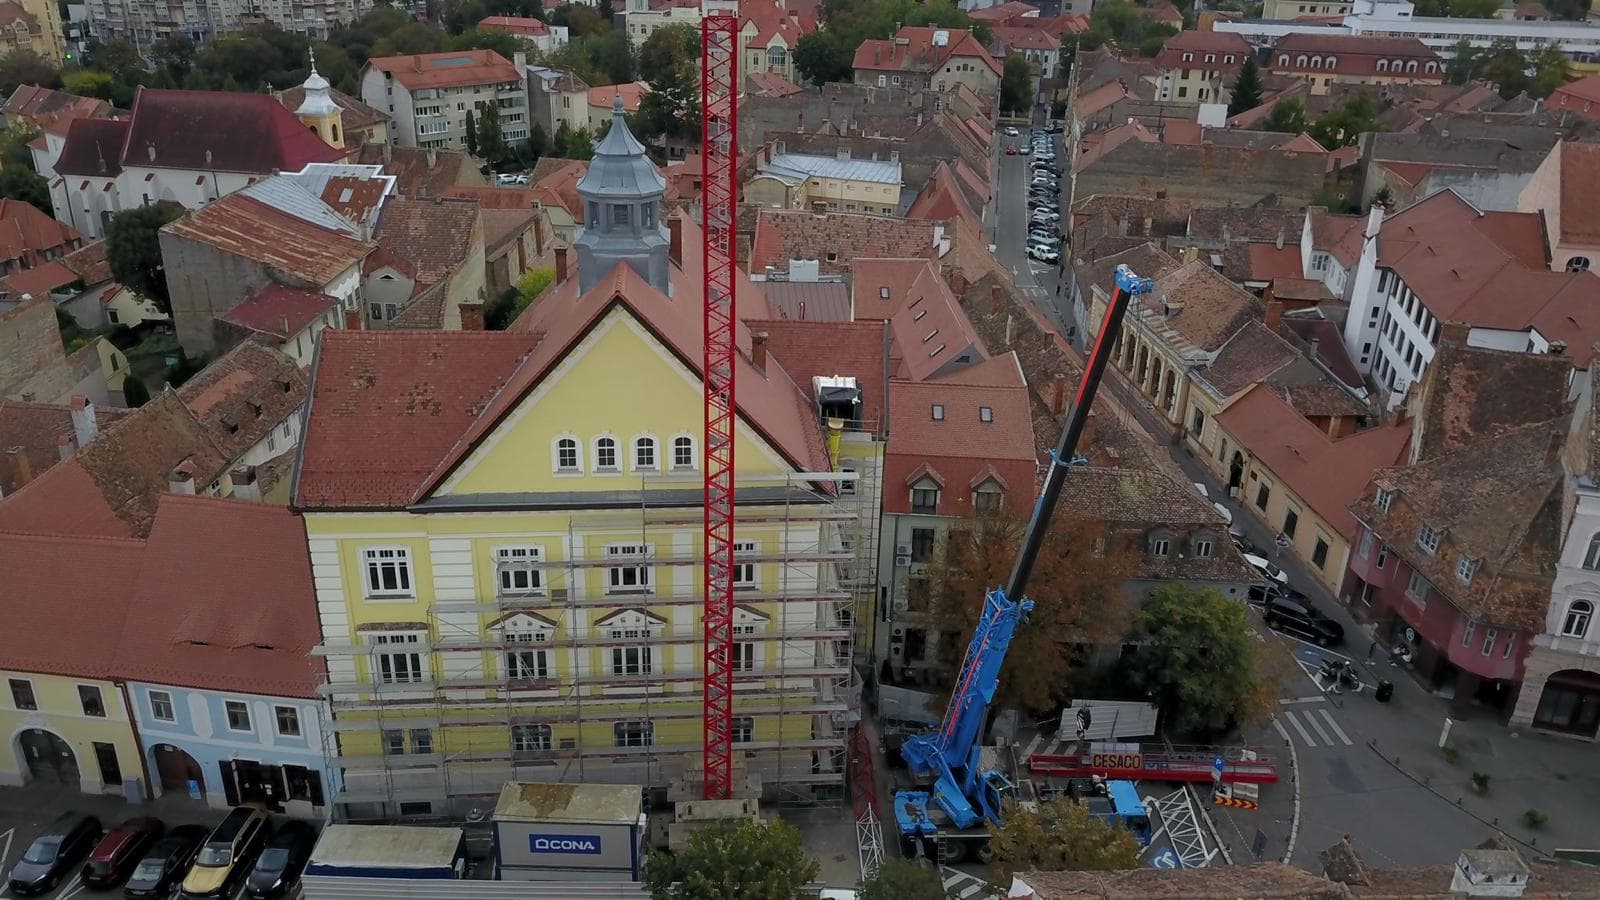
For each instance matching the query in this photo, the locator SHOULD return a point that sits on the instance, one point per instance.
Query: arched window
(334, 127)
(1383, 65)
(1300, 61)
(605, 454)
(644, 453)
(1578, 264)
(1330, 61)
(682, 453)
(567, 455)
(1316, 62)
(1591, 560)
(1431, 66)
(1576, 624)
(1283, 59)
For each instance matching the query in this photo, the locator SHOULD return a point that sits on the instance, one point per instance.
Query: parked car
(282, 861)
(1027, 151)
(1011, 132)
(1224, 512)
(1048, 216)
(1266, 568)
(509, 179)
(53, 854)
(1303, 620)
(113, 859)
(165, 865)
(227, 854)
(1011, 151)
(1258, 594)
(1044, 253)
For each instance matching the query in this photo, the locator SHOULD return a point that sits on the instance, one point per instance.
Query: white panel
(265, 719)
(200, 715)
(449, 545)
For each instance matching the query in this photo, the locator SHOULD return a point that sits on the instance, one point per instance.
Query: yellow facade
(84, 739)
(514, 616)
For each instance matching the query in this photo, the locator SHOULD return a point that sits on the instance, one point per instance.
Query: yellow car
(224, 859)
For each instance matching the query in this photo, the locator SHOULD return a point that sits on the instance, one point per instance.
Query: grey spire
(622, 194)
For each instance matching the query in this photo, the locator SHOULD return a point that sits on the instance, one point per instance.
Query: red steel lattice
(718, 149)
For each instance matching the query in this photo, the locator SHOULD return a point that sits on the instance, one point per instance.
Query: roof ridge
(69, 538)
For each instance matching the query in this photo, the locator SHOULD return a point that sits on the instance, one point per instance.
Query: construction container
(569, 832)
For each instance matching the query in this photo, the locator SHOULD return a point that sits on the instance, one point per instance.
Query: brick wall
(32, 359)
(1207, 175)
(205, 282)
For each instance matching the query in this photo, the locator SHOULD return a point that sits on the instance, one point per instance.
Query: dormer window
(1428, 539)
(883, 293)
(1384, 499)
(938, 412)
(985, 414)
(1161, 546)
(925, 497)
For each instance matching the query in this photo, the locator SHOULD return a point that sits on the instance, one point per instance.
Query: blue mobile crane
(964, 793)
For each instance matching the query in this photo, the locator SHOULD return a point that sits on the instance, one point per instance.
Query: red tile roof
(926, 322)
(1579, 96)
(51, 110)
(1327, 474)
(1340, 236)
(1199, 43)
(93, 148)
(279, 311)
(39, 280)
(64, 500)
(463, 67)
(561, 186)
(768, 84)
(1580, 185)
(942, 200)
(218, 131)
(386, 407)
(824, 349)
(1023, 37)
(35, 429)
(1352, 54)
(435, 237)
(1007, 10)
(65, 601)
(496, 197)
(225, 601)
(519, 25)
(243, 395)
(835, 239)
(962, 450)
(24, 227)
(919, 53)
(771, 20)
(1269, 261)
(244, 226)
(631, 92)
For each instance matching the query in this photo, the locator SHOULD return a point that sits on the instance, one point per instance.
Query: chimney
(1274, 315)
(352, 319)
(64, 447)
(1557, 348)
(1280, 237)
(245, 485)
(995, 304)
(1058, 395)
(675, 240)
(561, 265)
(472, 317)
(283, 325)
(15, 468)
(433, 157)
(83, 424)
(1315, 343)
(758, 350)
(181, 480)
(388, 152)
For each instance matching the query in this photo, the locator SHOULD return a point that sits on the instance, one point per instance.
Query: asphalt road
(1039, 282)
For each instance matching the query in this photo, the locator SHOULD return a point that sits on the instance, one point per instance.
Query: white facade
(87, 203)
(144, 21)
(437, 117)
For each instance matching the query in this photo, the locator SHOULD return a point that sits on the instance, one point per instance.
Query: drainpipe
(138, 742)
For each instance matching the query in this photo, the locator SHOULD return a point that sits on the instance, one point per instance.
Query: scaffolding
(491, 716)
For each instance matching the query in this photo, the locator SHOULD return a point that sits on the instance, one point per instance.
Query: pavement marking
(1286, 701)
(1312, 721)
(1299, 728)
(955, 879)
(1033, 744)
(1334, 725)
(73, 888)
(5, 849)
(969, 890)
(1056, 747)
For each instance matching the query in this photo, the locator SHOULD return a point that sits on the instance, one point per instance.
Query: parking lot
(27, 811)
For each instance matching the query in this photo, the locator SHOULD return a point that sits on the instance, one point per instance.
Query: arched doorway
(48, 757)
(1570, 703)
(1236, 470)
(177, 768)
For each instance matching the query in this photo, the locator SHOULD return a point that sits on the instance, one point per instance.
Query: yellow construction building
(506, 537)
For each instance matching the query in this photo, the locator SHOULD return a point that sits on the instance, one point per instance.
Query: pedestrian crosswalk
(1313, 727)
(966, 887)
(1043, 742)
(1036, 291)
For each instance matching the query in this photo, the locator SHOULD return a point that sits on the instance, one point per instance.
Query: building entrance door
(49, 757)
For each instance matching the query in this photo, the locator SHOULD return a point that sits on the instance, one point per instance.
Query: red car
(1011, 151)
(114, 858)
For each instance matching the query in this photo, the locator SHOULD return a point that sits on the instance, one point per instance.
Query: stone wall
(32, 359)
(205, 282)
(1206, 175)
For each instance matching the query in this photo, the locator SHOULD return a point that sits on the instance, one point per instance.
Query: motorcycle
(1340, 675)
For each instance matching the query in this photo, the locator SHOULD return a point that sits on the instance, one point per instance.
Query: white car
(1044, 253)
(508, 180)
(1224, 512)
(1010, 132)
(1266, 568)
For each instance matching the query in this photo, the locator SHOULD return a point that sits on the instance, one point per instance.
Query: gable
(650, 393)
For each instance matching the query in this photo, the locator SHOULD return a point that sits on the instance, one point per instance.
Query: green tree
(21, 67)
(734, 859)
(578, 143)
(1343, 125)
(1505, 66)
(1078, 594)
(22, 183)
(1288, 116)
(1464, 65)
(121, 58)
(903, 879)
(1571, 10)
(1198, 657)
(133, 249)
(1247, 88)
(412, 37)
(1016, 84)
(1123, 25)
(668, 50)
(822, 57)
(134, 392)
(501, 42)
(472, 134)
(174, 54)
(501, 311)
(91, 83)
(14, 152)
(613, 55)
(491, 145)
(1550, 69)
(1060, 836)
(581, 20)
(538, 143)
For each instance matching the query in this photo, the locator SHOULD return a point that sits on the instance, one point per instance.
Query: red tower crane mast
(719, 66)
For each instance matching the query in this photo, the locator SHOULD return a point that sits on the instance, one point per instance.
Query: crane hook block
(1133, 284)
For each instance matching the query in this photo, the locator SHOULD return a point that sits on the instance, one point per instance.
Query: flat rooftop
(386, 846)
(612, 804)
(804, 165)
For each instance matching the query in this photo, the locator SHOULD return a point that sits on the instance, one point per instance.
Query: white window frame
(228, 708)
(1385, 499)
(847, 488)
(531, 664)
(680, 443)
(623, 661)
(1203, 548)
(571, 443)
(278, 709)
(155, 712)
(512, 562)
(644, 727)
(1161, 548)
(601, 443)
(1466, 567)
(746, 573)
(1489, 637)
(1591, 559)
(640, 443)
(374, 560)
(1428, 539)
(1468, 632)
(1367, 539)
(1412, 590)
(532, 738)
(744, 729)
(1575, 622)
(617, 576)
(405, 644)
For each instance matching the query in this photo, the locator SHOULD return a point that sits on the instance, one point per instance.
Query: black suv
(1299, 618)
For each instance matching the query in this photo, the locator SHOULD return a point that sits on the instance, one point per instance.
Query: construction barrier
(1234, 802)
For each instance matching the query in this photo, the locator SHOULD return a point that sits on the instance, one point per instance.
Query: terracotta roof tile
(1353, 55)
(436, 237)
(93, 148)
(24, 227)
(453, 69)
(495, 197)
(219, 131)
(35, 430)
(54, 583)
(1327, 474)
(941, 199)
(1330, 349)
(45, 109)
(919, 53)
(1580, 185)
(825, 349)
(64, 500)
(1339, 236)
(561, 179)
(420, 172)
(770, 85)
(132, 461)
(525, 26)
(353, 114)
(1248, 357)
(1473, 394)
(835, 239)
(244, 226)
(279, 311)
(1197, 43)
(40, 281)
(90, 263)
(631, 92)
(1196, 306)
(502, 226)
(243, 395)
(225, 601)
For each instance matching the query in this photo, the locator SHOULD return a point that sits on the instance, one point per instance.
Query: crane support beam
(718, 158)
